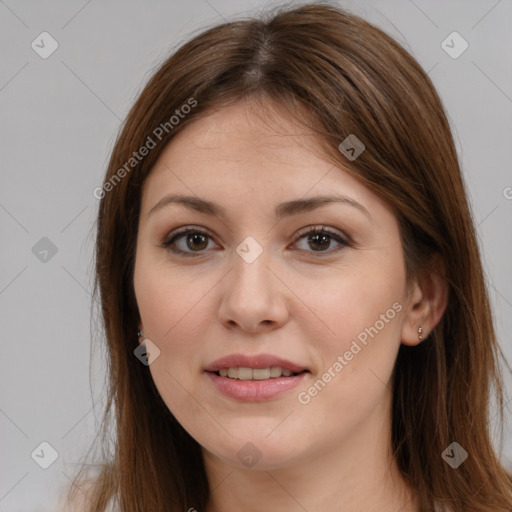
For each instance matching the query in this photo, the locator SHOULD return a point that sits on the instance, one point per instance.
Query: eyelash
(316, 230)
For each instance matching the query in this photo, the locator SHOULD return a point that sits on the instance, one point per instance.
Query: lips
(256, 390)
(254, 362)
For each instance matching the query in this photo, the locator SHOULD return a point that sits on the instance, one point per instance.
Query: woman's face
(251, 282)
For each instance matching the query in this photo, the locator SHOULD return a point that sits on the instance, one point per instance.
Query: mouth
(255, 378)
(257, 374)
(257, 367)
(253, 390)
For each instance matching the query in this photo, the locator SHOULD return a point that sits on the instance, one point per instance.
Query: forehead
(244, 130)
(247, 155)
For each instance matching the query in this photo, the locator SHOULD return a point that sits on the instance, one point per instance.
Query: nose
(254, 299)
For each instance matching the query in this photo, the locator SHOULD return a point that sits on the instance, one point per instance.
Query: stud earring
(420, 334)
(140, 333)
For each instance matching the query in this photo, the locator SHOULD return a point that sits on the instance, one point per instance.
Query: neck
(359, 473)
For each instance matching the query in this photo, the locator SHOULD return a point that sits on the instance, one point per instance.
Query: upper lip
(256, 361)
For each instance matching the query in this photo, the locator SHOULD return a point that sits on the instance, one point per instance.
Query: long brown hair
(338, 75)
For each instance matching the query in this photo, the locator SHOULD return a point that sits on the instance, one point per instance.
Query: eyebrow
(286, 209)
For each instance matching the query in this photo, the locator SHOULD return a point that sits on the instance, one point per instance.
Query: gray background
(59, 118)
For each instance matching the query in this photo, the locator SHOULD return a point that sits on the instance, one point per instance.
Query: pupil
(195, 238)
(324, 239)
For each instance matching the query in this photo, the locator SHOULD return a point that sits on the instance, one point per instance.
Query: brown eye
(196, 241)
(319, 240)
(187, 241)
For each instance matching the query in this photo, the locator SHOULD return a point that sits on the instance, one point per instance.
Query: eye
(319, 239)
(191, 238)
(195, 241)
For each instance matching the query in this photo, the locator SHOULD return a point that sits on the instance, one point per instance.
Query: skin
(302, 301)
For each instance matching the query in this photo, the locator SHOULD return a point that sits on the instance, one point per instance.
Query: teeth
(244, 373)
(256, 373)
(261, 373)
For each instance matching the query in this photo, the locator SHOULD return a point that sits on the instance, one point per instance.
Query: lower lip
(255, 390)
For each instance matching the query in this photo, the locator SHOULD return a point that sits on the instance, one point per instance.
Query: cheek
(359, 301)
(174, 311)
(363, 309)
(171, 302)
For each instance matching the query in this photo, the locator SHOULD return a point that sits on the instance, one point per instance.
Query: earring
(140, 333)
(420, 333)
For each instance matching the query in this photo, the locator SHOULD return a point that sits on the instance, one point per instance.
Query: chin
(257, 452)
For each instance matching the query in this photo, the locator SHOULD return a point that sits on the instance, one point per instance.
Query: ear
(427, 302)
(140, 329)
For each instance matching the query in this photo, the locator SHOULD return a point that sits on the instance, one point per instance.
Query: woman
(291, 286)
